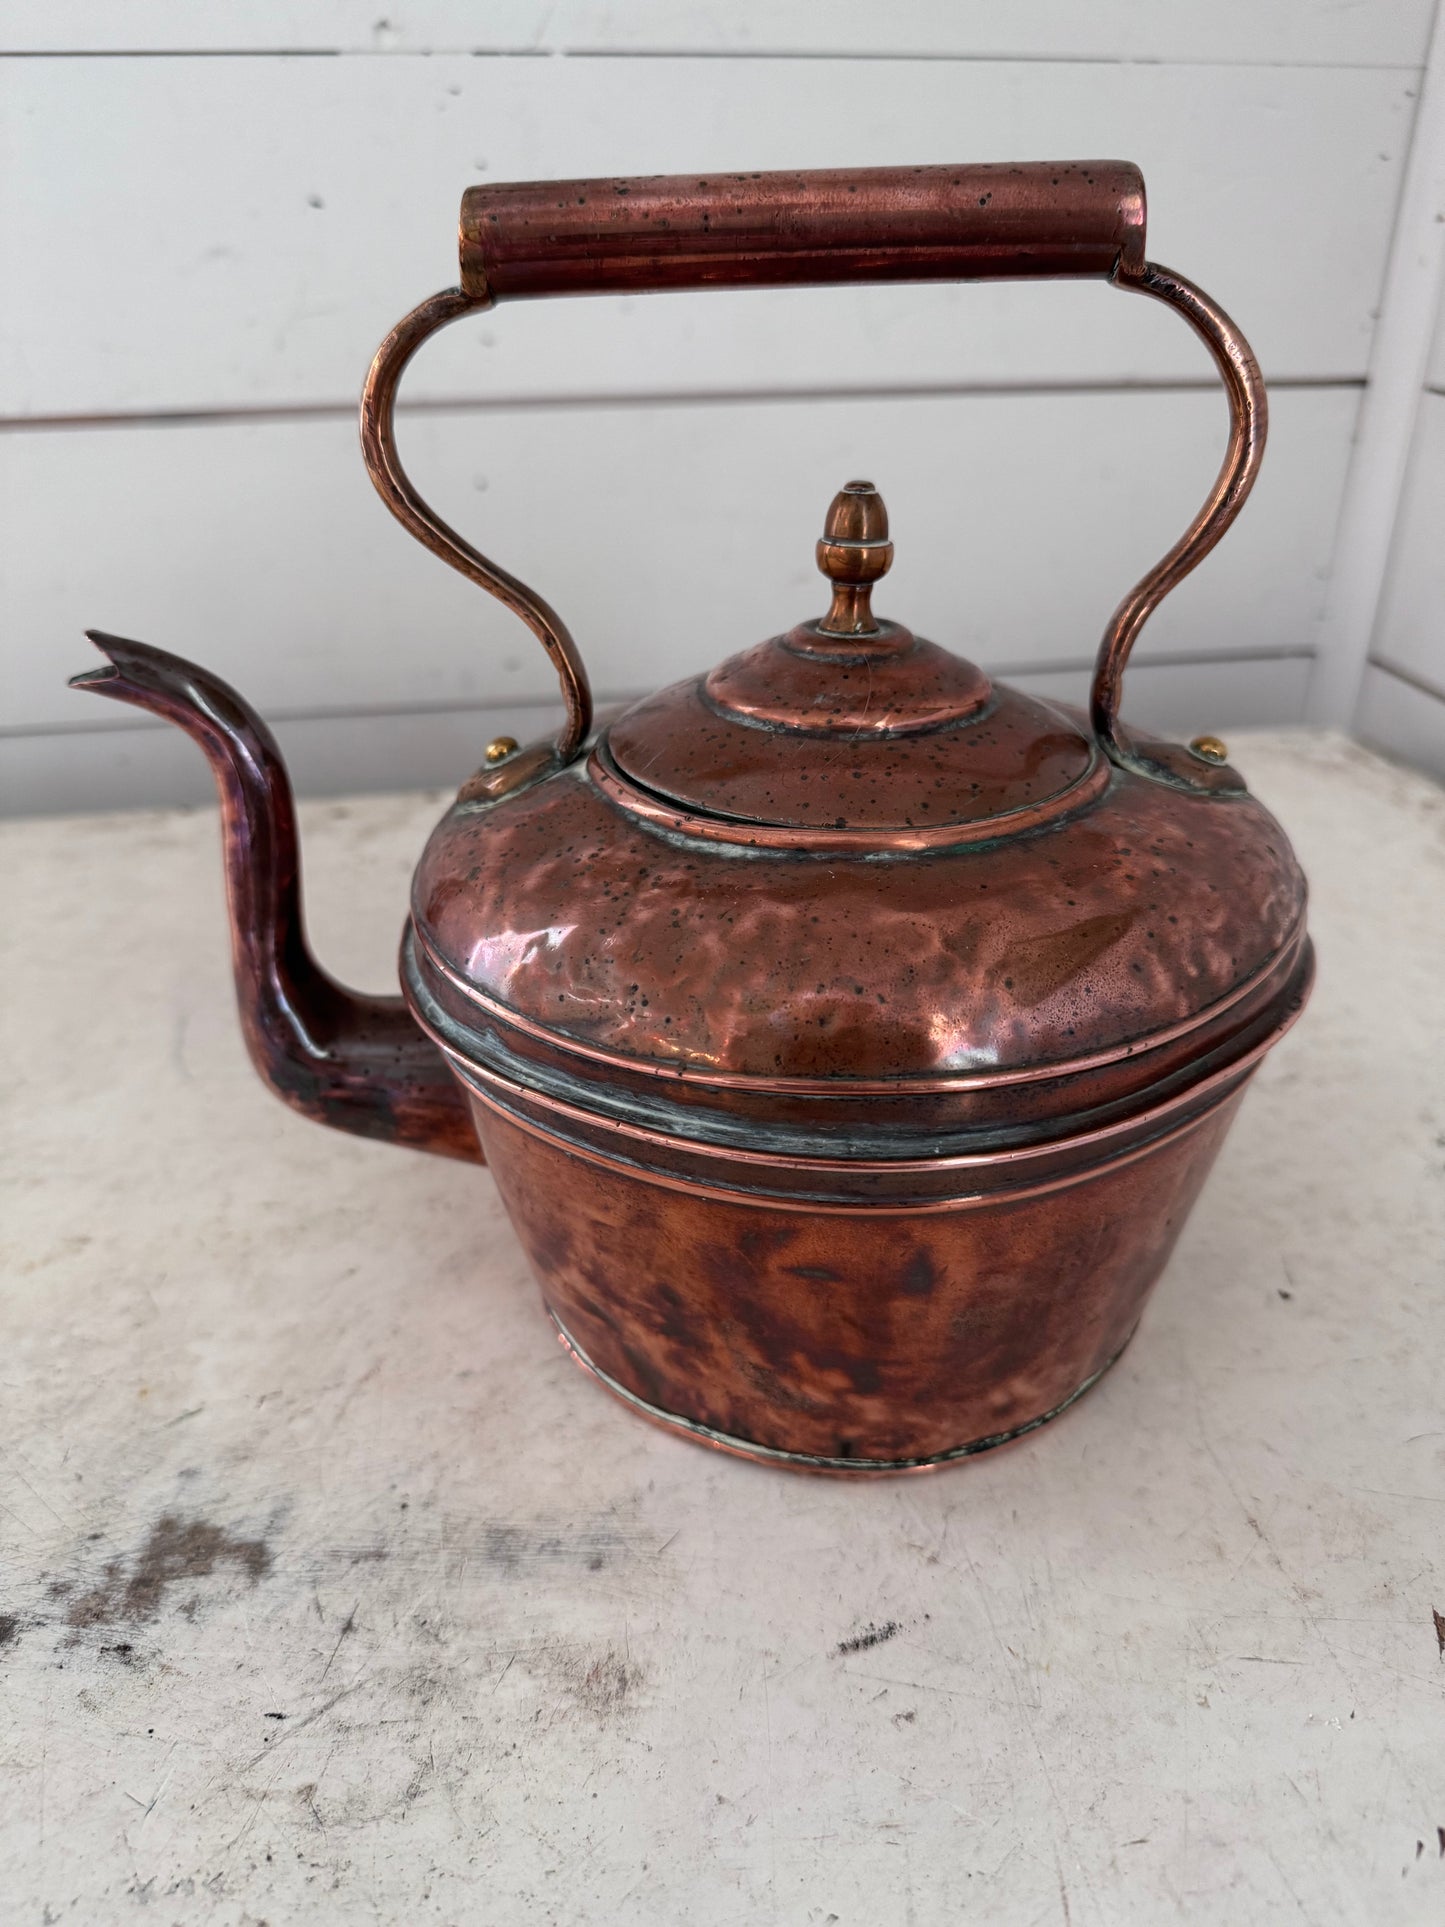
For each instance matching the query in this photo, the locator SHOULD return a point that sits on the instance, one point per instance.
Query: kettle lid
(849, 730)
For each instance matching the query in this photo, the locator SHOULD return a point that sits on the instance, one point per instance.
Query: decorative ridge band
(624, 793)
(816, 1198)
(851, 1183)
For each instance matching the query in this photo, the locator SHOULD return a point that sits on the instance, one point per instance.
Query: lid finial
(854, 553)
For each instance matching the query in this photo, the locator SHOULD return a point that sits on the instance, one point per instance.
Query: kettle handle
(829, 225)
(396, 489)
(641, 235)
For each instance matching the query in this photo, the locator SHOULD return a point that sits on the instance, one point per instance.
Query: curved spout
(355, 1062)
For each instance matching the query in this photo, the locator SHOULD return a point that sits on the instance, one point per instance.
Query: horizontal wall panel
(1403, 719)
(198, 233)
(1182, 700)
(1309, 31)
(1410, 633)
(667, 536)
(152, 766)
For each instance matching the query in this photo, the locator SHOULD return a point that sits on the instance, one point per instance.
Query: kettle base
(808, 1461)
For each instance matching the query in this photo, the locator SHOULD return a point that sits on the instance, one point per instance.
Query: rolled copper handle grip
(649, 233)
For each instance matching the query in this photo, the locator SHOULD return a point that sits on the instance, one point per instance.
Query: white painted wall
(1380, 664)
(1402, 696)
(210, 215)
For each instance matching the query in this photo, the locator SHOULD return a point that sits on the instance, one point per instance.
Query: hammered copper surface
(1136, 916)
(849, 1035)
(931, 1122)
(1011, 753)
(881, 683)
(884, 1334)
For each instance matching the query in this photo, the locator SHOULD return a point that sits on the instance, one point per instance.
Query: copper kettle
(848, 1035)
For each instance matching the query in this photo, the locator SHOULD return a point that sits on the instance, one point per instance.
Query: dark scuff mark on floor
(348, 1625)
(513, 1547)
(1439, 1632)
(176, 1549)
(9, 1629)
(870, 1636)
(604, 1685)
(600, 1682)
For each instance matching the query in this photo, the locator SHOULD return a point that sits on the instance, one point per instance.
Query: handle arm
(395, 487)
(1248, 426)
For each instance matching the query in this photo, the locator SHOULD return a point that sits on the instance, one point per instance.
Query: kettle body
(849, 1036)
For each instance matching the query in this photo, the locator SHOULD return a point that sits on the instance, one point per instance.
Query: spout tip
(181, 692)
(109, 672)
(93, 678)
(133, 669)
(114, 647)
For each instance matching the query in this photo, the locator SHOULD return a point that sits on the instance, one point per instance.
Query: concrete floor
(332, 1592)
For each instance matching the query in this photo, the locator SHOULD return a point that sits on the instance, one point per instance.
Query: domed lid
(850, 731)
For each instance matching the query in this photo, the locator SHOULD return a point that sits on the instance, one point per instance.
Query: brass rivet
(1209, 749)
(500, 748)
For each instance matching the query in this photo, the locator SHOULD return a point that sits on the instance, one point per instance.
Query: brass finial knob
(854, 553)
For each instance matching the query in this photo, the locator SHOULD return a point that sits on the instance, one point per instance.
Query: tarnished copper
(343, 1058)
(854, 552)
(383, 463)
(643, 233)
(1248, 426)
(848, 1034)
(868, 1338)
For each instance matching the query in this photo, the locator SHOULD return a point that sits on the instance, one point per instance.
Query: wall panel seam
(685, 398)
(941, 57)
(482, 705)
(1410, 677)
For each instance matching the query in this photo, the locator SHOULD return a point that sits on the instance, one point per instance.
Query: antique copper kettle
(848, 1035)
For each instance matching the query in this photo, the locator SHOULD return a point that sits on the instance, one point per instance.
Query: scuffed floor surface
(332, 1592)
